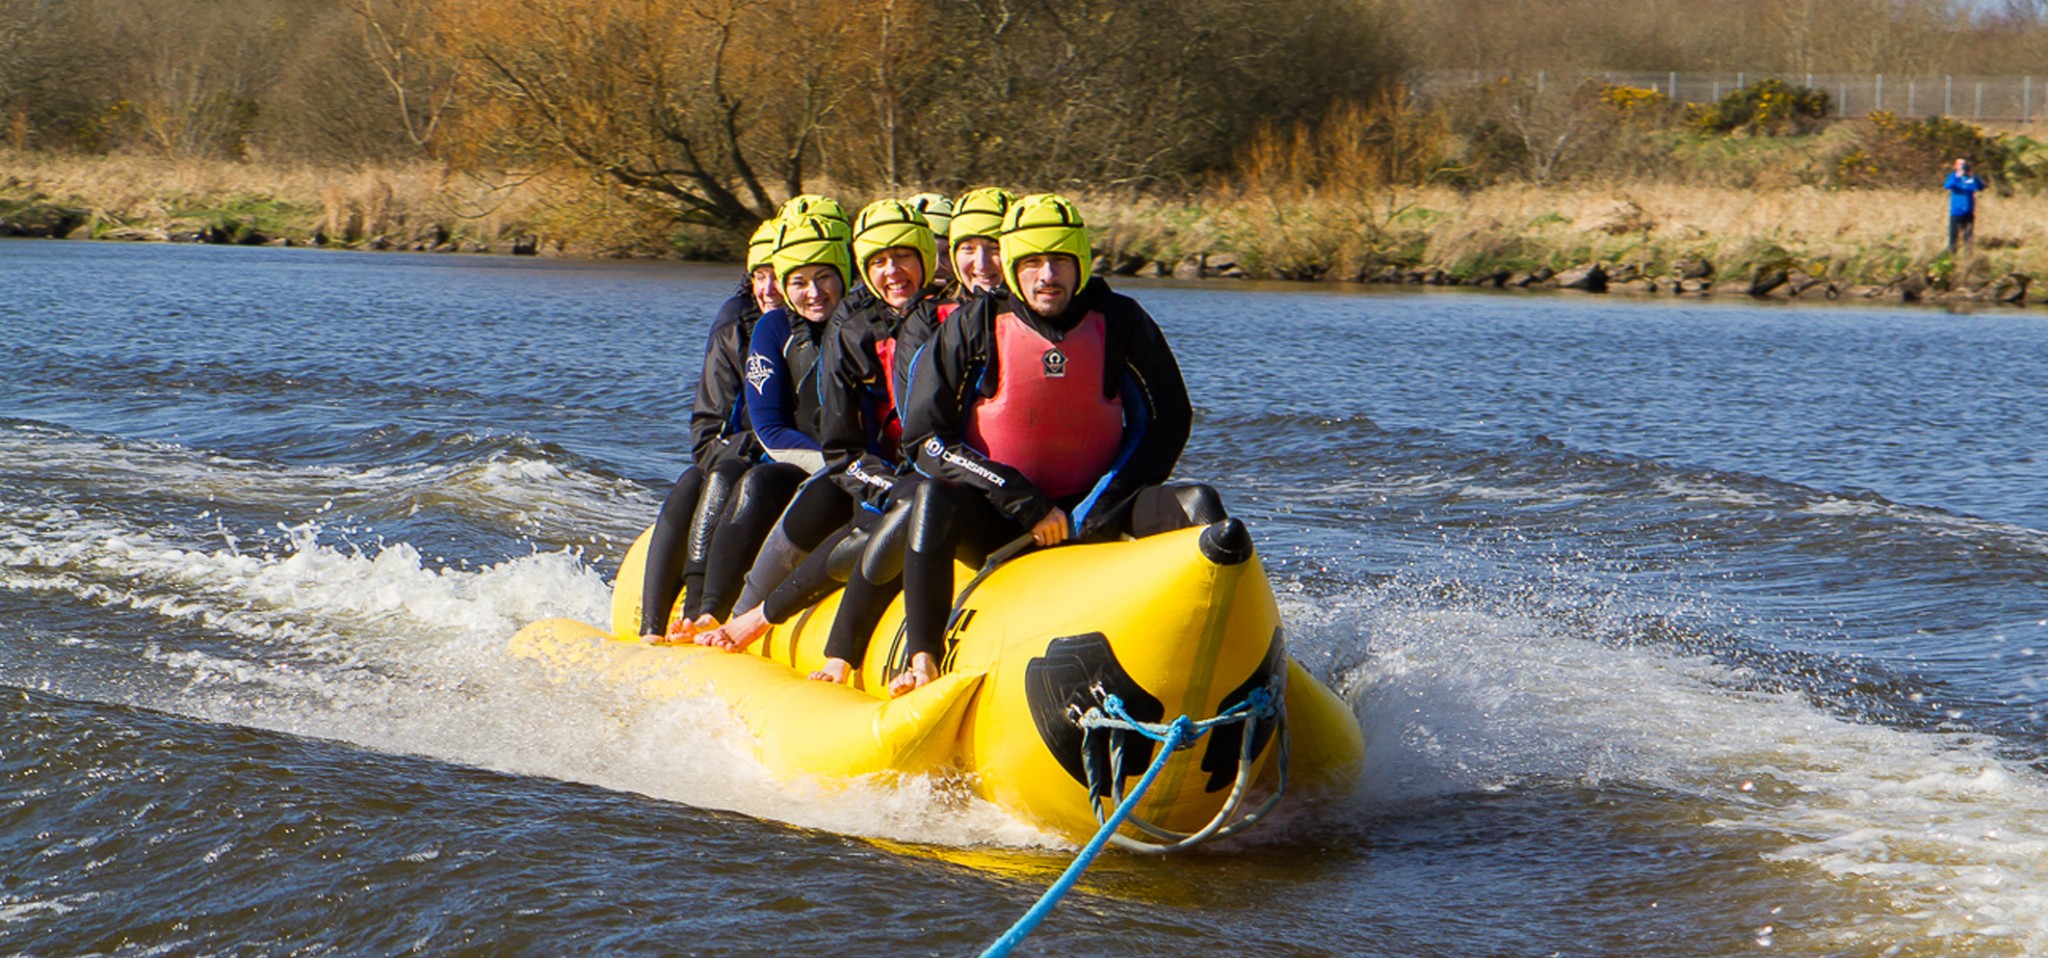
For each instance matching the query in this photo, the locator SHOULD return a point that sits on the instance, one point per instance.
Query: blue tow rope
(1174, 736)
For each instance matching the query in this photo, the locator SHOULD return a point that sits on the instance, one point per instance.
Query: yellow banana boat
(1058, 662)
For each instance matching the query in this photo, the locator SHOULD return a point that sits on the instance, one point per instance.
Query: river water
(1676, 629)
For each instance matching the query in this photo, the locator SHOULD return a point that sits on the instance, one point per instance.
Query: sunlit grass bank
(1848, 237)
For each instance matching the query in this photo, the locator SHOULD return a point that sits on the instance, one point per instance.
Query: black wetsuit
(858, 419)
(719, 427)
(975, 504)
(864, 469)
(722, 447)
(918, 327)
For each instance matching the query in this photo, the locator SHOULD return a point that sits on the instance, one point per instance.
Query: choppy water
(1675, 629)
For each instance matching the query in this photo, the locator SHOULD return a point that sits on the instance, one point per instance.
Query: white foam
(1696, 489)
(1953, 839)
(38, 909)
(1935, 521)
(379, 647)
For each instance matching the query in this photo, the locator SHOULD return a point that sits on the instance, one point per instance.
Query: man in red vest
(1054, 408)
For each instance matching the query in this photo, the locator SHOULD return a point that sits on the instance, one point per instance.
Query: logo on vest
(1055, 363)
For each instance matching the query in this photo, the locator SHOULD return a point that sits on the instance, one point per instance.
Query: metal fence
(1995, 99)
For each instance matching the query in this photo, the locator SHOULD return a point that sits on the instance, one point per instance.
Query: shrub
(1510, 128)
(1891, 151)
(1633, 100)
(1768, 107)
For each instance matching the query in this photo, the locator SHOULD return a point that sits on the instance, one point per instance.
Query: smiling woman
(895, 250)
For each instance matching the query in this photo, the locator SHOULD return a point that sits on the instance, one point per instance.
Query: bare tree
(195, 76)
(398, 41)
(26, 66)
(56, 75)
(697, 104)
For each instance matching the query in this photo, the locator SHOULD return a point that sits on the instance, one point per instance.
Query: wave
(381, 648)
(219, 377)
(308, 412)
(1895, 614)
(1930, 832)
(1337, 474)
(1459, 693)
(506, 484)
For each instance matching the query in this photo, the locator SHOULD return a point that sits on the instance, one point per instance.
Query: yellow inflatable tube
(1182, 623)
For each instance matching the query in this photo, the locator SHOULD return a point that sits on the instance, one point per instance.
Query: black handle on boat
(1006, 553)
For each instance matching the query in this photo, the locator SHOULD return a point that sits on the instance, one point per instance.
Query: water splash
(1939, 834)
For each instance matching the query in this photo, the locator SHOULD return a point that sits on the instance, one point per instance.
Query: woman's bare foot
(921, 672)
(738, 633)
(682, 632)
(834, 671)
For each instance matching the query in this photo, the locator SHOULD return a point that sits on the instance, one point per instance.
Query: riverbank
(419, 207)
(1647, 237)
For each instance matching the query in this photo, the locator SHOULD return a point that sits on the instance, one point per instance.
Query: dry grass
(1851, 235)
(1346, 231)
(399, 203)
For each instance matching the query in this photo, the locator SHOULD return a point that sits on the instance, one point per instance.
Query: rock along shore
(1684, 278)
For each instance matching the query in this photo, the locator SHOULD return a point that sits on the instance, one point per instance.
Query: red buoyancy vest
(892, 418)
(885, 350)
(1048, 418)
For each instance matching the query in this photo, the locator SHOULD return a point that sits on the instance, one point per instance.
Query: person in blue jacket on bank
(1963, 187)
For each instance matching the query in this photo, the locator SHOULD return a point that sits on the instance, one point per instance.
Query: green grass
(240, 214)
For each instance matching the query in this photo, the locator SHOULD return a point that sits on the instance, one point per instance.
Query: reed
(137, 196)
(1292, 219)
(1851, 236)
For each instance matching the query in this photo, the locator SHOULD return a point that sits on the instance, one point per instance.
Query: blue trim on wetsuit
(1134, 412)
(771, 388)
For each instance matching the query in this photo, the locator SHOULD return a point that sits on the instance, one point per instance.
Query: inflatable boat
(1061, 666)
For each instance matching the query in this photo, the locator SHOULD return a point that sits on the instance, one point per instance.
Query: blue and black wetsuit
(782, 388)
(782, 399)
(860, 381)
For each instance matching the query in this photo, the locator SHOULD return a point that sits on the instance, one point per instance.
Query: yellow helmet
(761, 247)
(808, 241)
(980, 213)
(887, 223)
(937, 210)
(812, 204)
(1043, 223)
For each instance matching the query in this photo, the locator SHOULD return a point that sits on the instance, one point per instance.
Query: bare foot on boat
(921, 672)
(682, 632)
(834, 671)
(737, 634)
